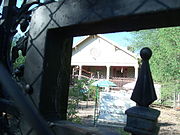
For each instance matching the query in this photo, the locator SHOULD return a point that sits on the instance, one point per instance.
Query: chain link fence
(66, 15)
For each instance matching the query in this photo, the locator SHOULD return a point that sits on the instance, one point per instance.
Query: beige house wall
(97, 51)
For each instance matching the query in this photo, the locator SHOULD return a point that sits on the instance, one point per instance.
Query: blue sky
(121, 38)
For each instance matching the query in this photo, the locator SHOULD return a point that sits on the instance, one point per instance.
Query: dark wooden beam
(56, 76)
(128, 23)
(90, 17)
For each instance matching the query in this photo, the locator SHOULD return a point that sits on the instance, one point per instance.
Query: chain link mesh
(53, 22)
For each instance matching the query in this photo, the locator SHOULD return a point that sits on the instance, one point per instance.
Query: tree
(20, 58)
(165, 62)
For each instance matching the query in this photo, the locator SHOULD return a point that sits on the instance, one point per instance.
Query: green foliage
(167, 91)
(131, 48)
(72, 110)
(165, 62)
(20, 60)
(81, 90)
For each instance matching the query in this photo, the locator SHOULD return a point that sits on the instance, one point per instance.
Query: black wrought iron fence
(42, 96)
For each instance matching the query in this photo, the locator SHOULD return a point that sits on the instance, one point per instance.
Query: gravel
(169, 120)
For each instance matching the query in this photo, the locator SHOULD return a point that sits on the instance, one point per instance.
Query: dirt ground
(169, 120)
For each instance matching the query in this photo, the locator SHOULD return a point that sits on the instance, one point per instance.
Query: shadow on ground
(165, 124)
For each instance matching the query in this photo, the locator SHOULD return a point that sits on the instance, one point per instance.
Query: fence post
(141, 119)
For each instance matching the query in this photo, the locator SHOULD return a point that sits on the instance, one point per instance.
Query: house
(97, 57)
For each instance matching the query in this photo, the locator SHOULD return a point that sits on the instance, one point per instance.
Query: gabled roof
(80, 41)
(107, 40)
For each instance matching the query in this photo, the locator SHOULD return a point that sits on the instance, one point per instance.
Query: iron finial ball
(146, 53)
(28, 89)
(144, 92)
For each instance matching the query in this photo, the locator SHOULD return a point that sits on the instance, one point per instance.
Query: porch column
(107, 72)
(73, 71)
(80, 71)
(136, 71)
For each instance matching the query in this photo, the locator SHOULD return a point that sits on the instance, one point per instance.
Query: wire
(28, 133)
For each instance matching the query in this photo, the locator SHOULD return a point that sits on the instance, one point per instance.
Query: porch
(105, 72)
(120, 75)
